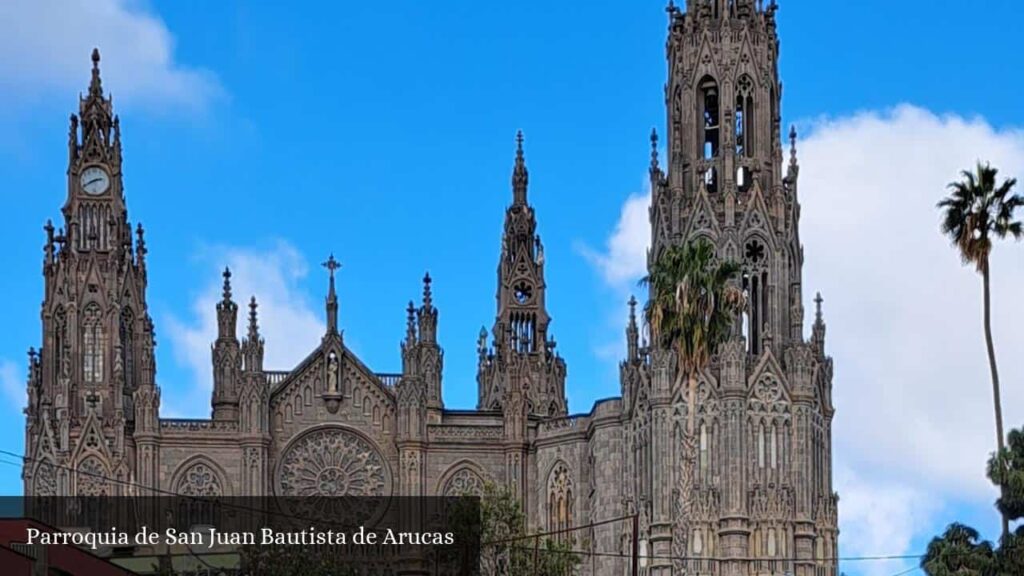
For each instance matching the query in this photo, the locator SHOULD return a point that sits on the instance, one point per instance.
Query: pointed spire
(227, 311)
(792, 144)
(227, 284)
(140, 246)
(428, 301)
(254, 326)
(654, 151)
(410, 324)
(818, 330)
(520, 176)
(96, 85)
(632, 332)
(332, 265)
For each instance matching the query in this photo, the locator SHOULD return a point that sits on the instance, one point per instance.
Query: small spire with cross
(520, 176)
(332, 266)
(818, 300)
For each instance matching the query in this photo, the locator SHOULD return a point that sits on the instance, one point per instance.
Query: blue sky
(268, 137)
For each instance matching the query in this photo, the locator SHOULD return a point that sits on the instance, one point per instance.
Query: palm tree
(959, 552)
(977, 211)
(692, 308)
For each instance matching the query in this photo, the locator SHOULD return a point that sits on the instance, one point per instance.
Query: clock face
(95, 180)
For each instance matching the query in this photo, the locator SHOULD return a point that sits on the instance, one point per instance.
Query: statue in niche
(332, 397)
(332, 373)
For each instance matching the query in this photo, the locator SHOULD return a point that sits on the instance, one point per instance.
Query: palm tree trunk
(1000, 439)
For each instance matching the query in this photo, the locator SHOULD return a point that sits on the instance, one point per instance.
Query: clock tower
(521, 328)
(92, 381)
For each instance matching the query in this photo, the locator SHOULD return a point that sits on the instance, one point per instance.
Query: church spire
(332, 265)
(632, 332)
(252, 346)
(227, 310)
(96, 84)
(520, 176)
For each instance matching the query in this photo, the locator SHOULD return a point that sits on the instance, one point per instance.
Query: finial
(95, 85)
(520, 176)
(331, 264)
(252, 310)
(227, 283)
(32, 354)
(792, 142)
(654, 150)
(427, 295)
(410, 323)
(632, 309)
(817, 306)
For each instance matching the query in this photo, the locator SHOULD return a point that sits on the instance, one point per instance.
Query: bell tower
(754, 480)
(97, 353)
(521, 326)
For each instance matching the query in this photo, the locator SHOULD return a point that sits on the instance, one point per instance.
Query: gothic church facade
(762, 501)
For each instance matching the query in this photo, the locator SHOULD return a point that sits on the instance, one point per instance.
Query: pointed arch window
(744, 117)
(760, 445)
(703, 451)
(560, 502)
(710, 119)
(128, 349)
(60, 331)
(93, 344)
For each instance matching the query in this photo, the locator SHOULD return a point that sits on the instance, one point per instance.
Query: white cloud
(291, 325)
(912, 390)
(12, 386)
(46, 46)
(625, 259)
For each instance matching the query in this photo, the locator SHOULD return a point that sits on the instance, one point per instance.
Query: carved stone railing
(388, 379)
(465, 432)
(174, 424)
(561, 423)
(275, 377)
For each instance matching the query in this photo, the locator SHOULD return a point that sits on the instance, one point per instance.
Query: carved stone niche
(332, 393)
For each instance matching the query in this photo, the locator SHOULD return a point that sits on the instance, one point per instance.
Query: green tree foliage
(978, 210)
(960, 552)
(508, 552)
(692, 307)
(280, 560)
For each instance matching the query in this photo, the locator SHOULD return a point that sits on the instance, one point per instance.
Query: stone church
(763, 500)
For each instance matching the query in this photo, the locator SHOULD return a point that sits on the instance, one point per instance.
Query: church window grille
(93, 344)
